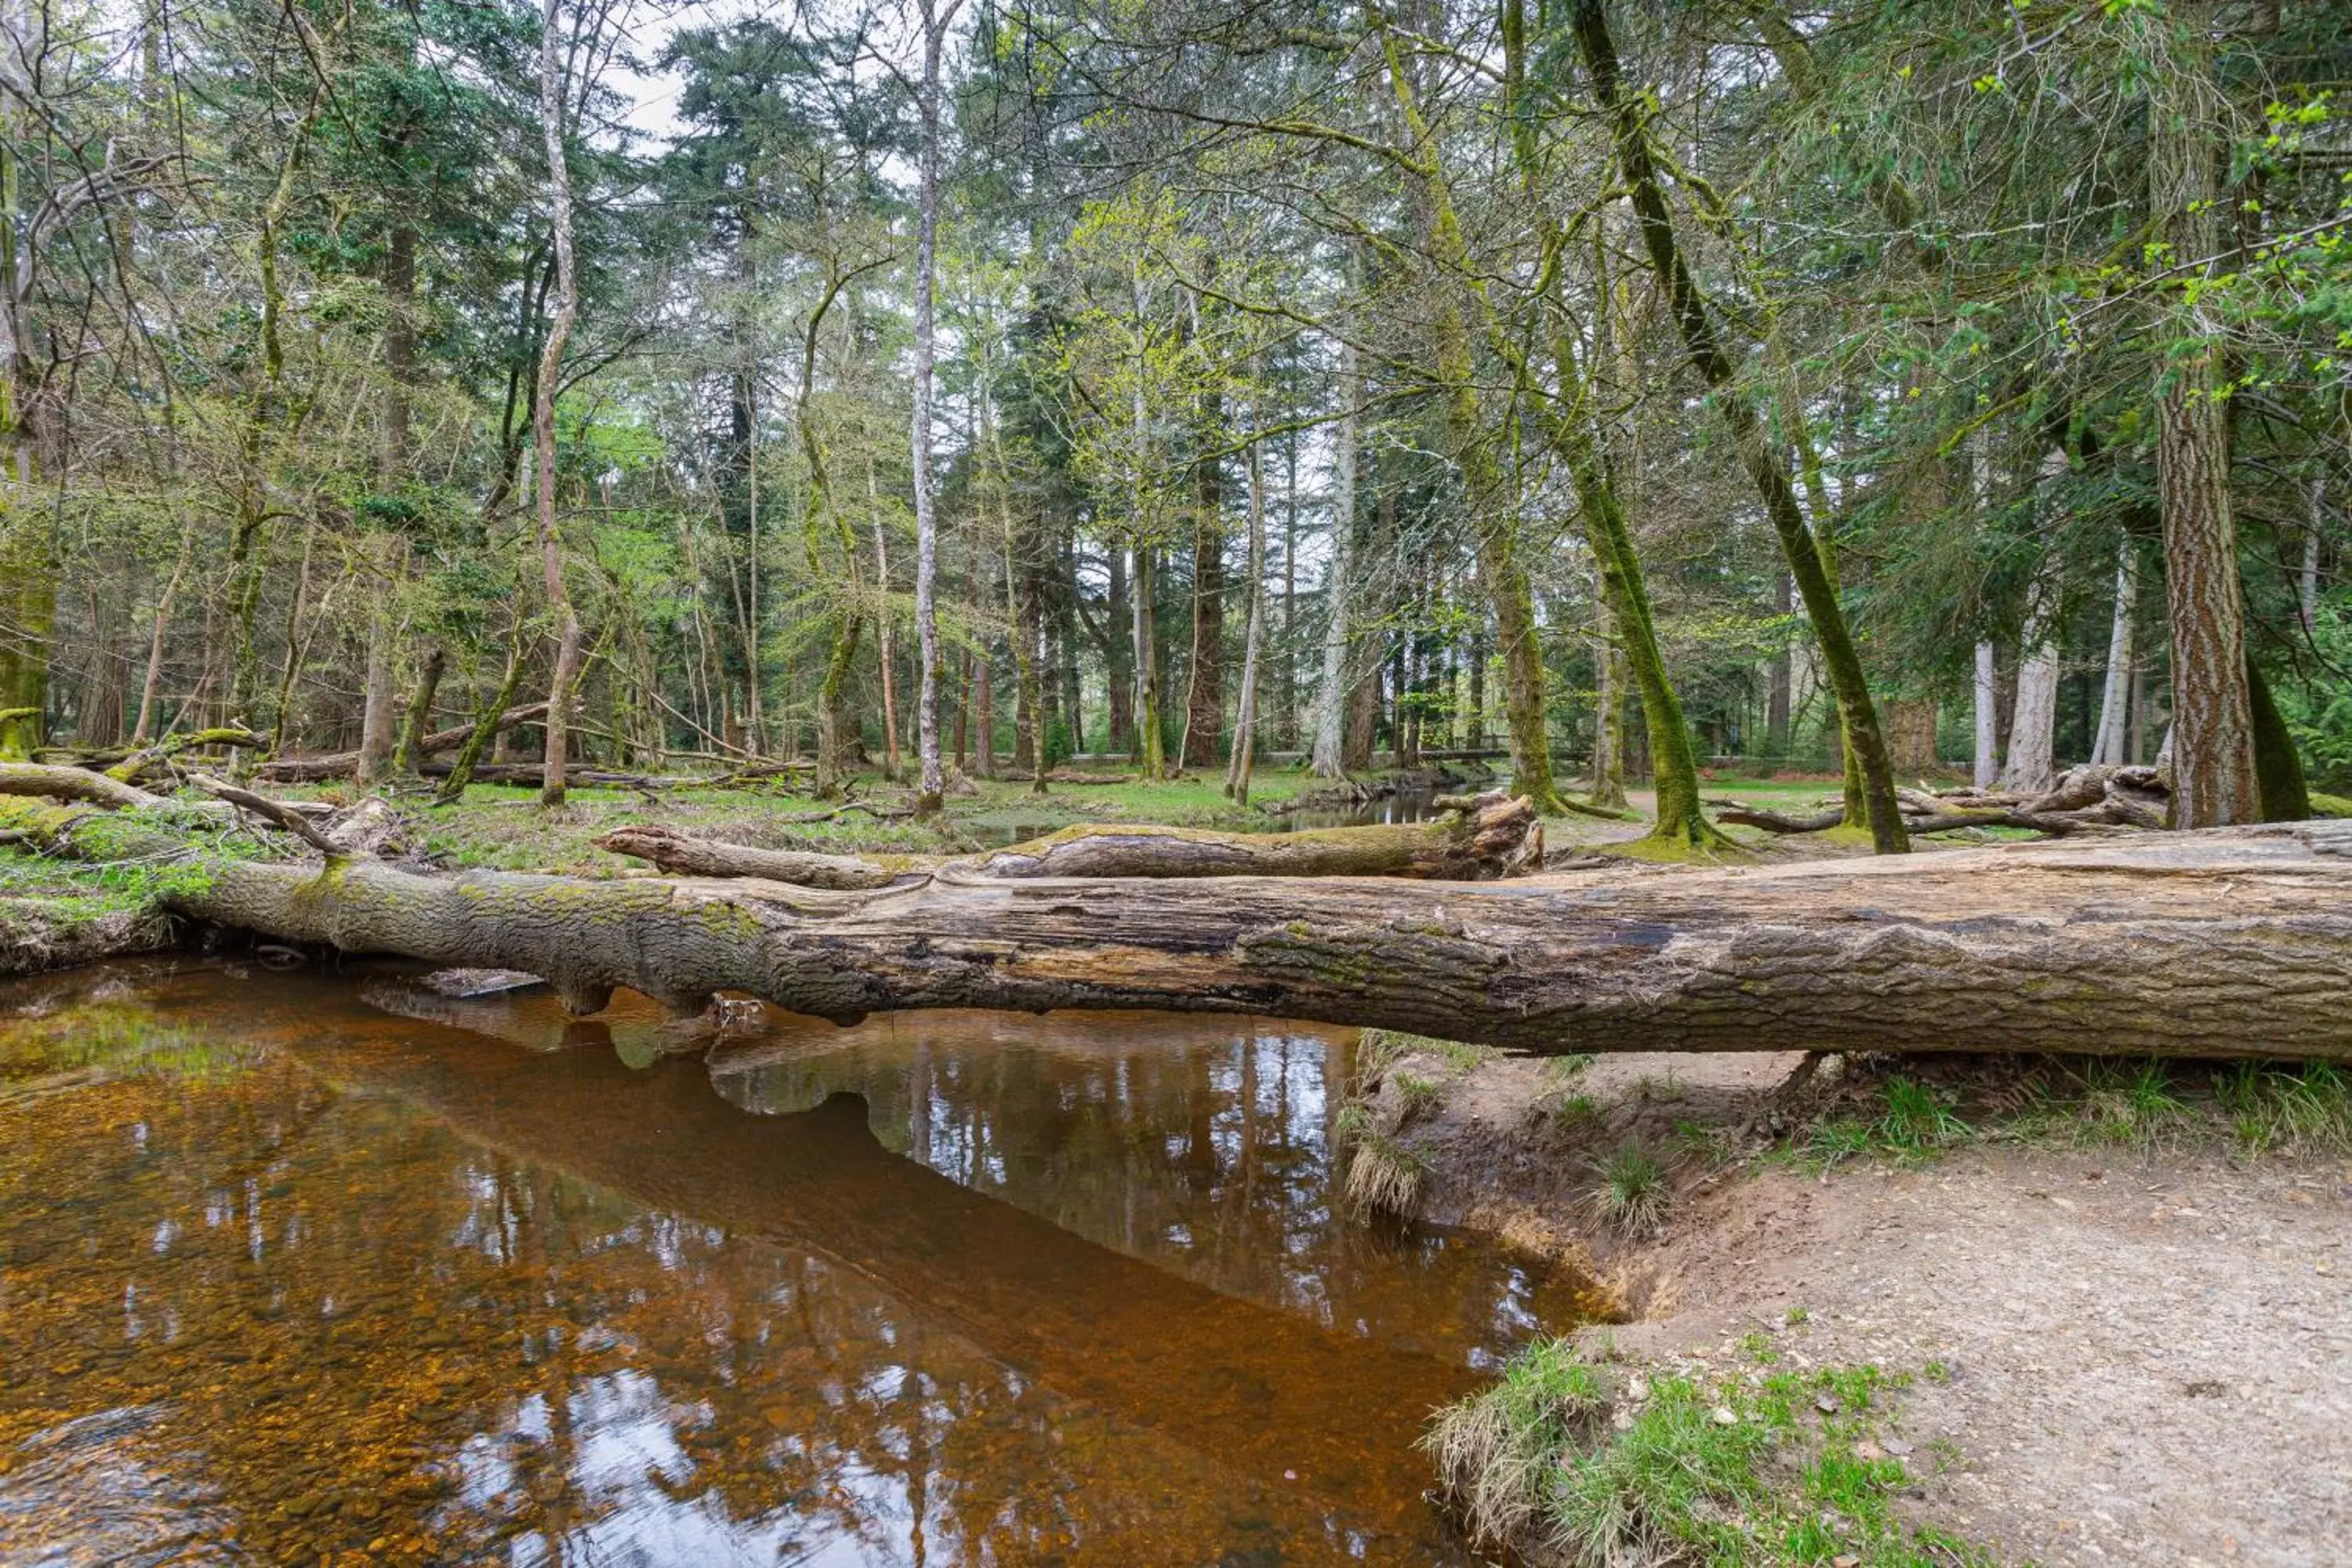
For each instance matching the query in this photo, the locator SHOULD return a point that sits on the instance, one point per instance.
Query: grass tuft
(1633, 1194)
(1497, 1452)
(1730, 1475)
(1416, 1097)
(1384, 1175)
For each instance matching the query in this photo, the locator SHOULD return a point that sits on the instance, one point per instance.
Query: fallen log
(1486, 837)
(674, 851)
(52, 781)
(2089, 797)
(2223, 942)
(340, 764)
(1494, 838)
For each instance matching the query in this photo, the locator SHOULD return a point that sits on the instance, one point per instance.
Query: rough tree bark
(1328, 758)
(2034, 717)
(1245, 751)
(2217, 943)
(2115, 699)
(931, 782)
(2213, 774)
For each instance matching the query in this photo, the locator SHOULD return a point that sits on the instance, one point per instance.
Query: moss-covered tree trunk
(1766, 467)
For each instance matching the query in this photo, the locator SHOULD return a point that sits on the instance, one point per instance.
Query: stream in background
(302, 1265)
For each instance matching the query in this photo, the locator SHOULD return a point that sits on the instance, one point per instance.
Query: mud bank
(2123, 1309)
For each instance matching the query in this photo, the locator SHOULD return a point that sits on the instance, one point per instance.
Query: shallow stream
(322, 1267)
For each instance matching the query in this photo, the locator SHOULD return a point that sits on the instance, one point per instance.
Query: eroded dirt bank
(2129, 1323)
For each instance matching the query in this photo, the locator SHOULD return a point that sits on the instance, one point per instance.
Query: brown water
(320, 1269)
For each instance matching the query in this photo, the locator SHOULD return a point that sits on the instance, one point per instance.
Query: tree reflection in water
(289, 1278)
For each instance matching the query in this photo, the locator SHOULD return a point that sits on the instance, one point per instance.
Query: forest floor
(2108, 1299)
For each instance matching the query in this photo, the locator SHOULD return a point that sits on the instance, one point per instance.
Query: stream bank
(2108, 1299)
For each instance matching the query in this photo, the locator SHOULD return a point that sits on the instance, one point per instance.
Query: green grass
(1499, 1453)
(1678, 1469)
(1417, 1097)
(1633, 1194)
(2145, 1107)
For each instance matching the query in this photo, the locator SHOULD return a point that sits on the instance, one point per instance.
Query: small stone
(1724, 1416)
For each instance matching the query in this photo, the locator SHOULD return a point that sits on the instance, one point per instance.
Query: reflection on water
(291, 1275)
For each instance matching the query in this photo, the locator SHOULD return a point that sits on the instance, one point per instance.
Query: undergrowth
(1562, 1458)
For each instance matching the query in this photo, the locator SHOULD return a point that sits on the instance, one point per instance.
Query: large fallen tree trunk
(1481, 838)
(2232, 943)
(2225, 943)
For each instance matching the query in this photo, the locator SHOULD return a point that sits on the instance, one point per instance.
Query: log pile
(2089, 798)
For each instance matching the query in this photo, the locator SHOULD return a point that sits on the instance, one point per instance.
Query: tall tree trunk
(1766, 467)
(542, 410)
(2212, 776)
(1988, 679)
(2306, 587)
(890, 769)
(1609, 706)
(1986, 696)
(1151, 743)
(931, 784)
(2115, 698)
(28, 575)
(378, 691)
(1204, 701)
(1495, 519)
(1237, 773)
(2033, 715)
(1328, 758)
(1119, 659)
(1781, 674)
(1288, 734)
(408, 753)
